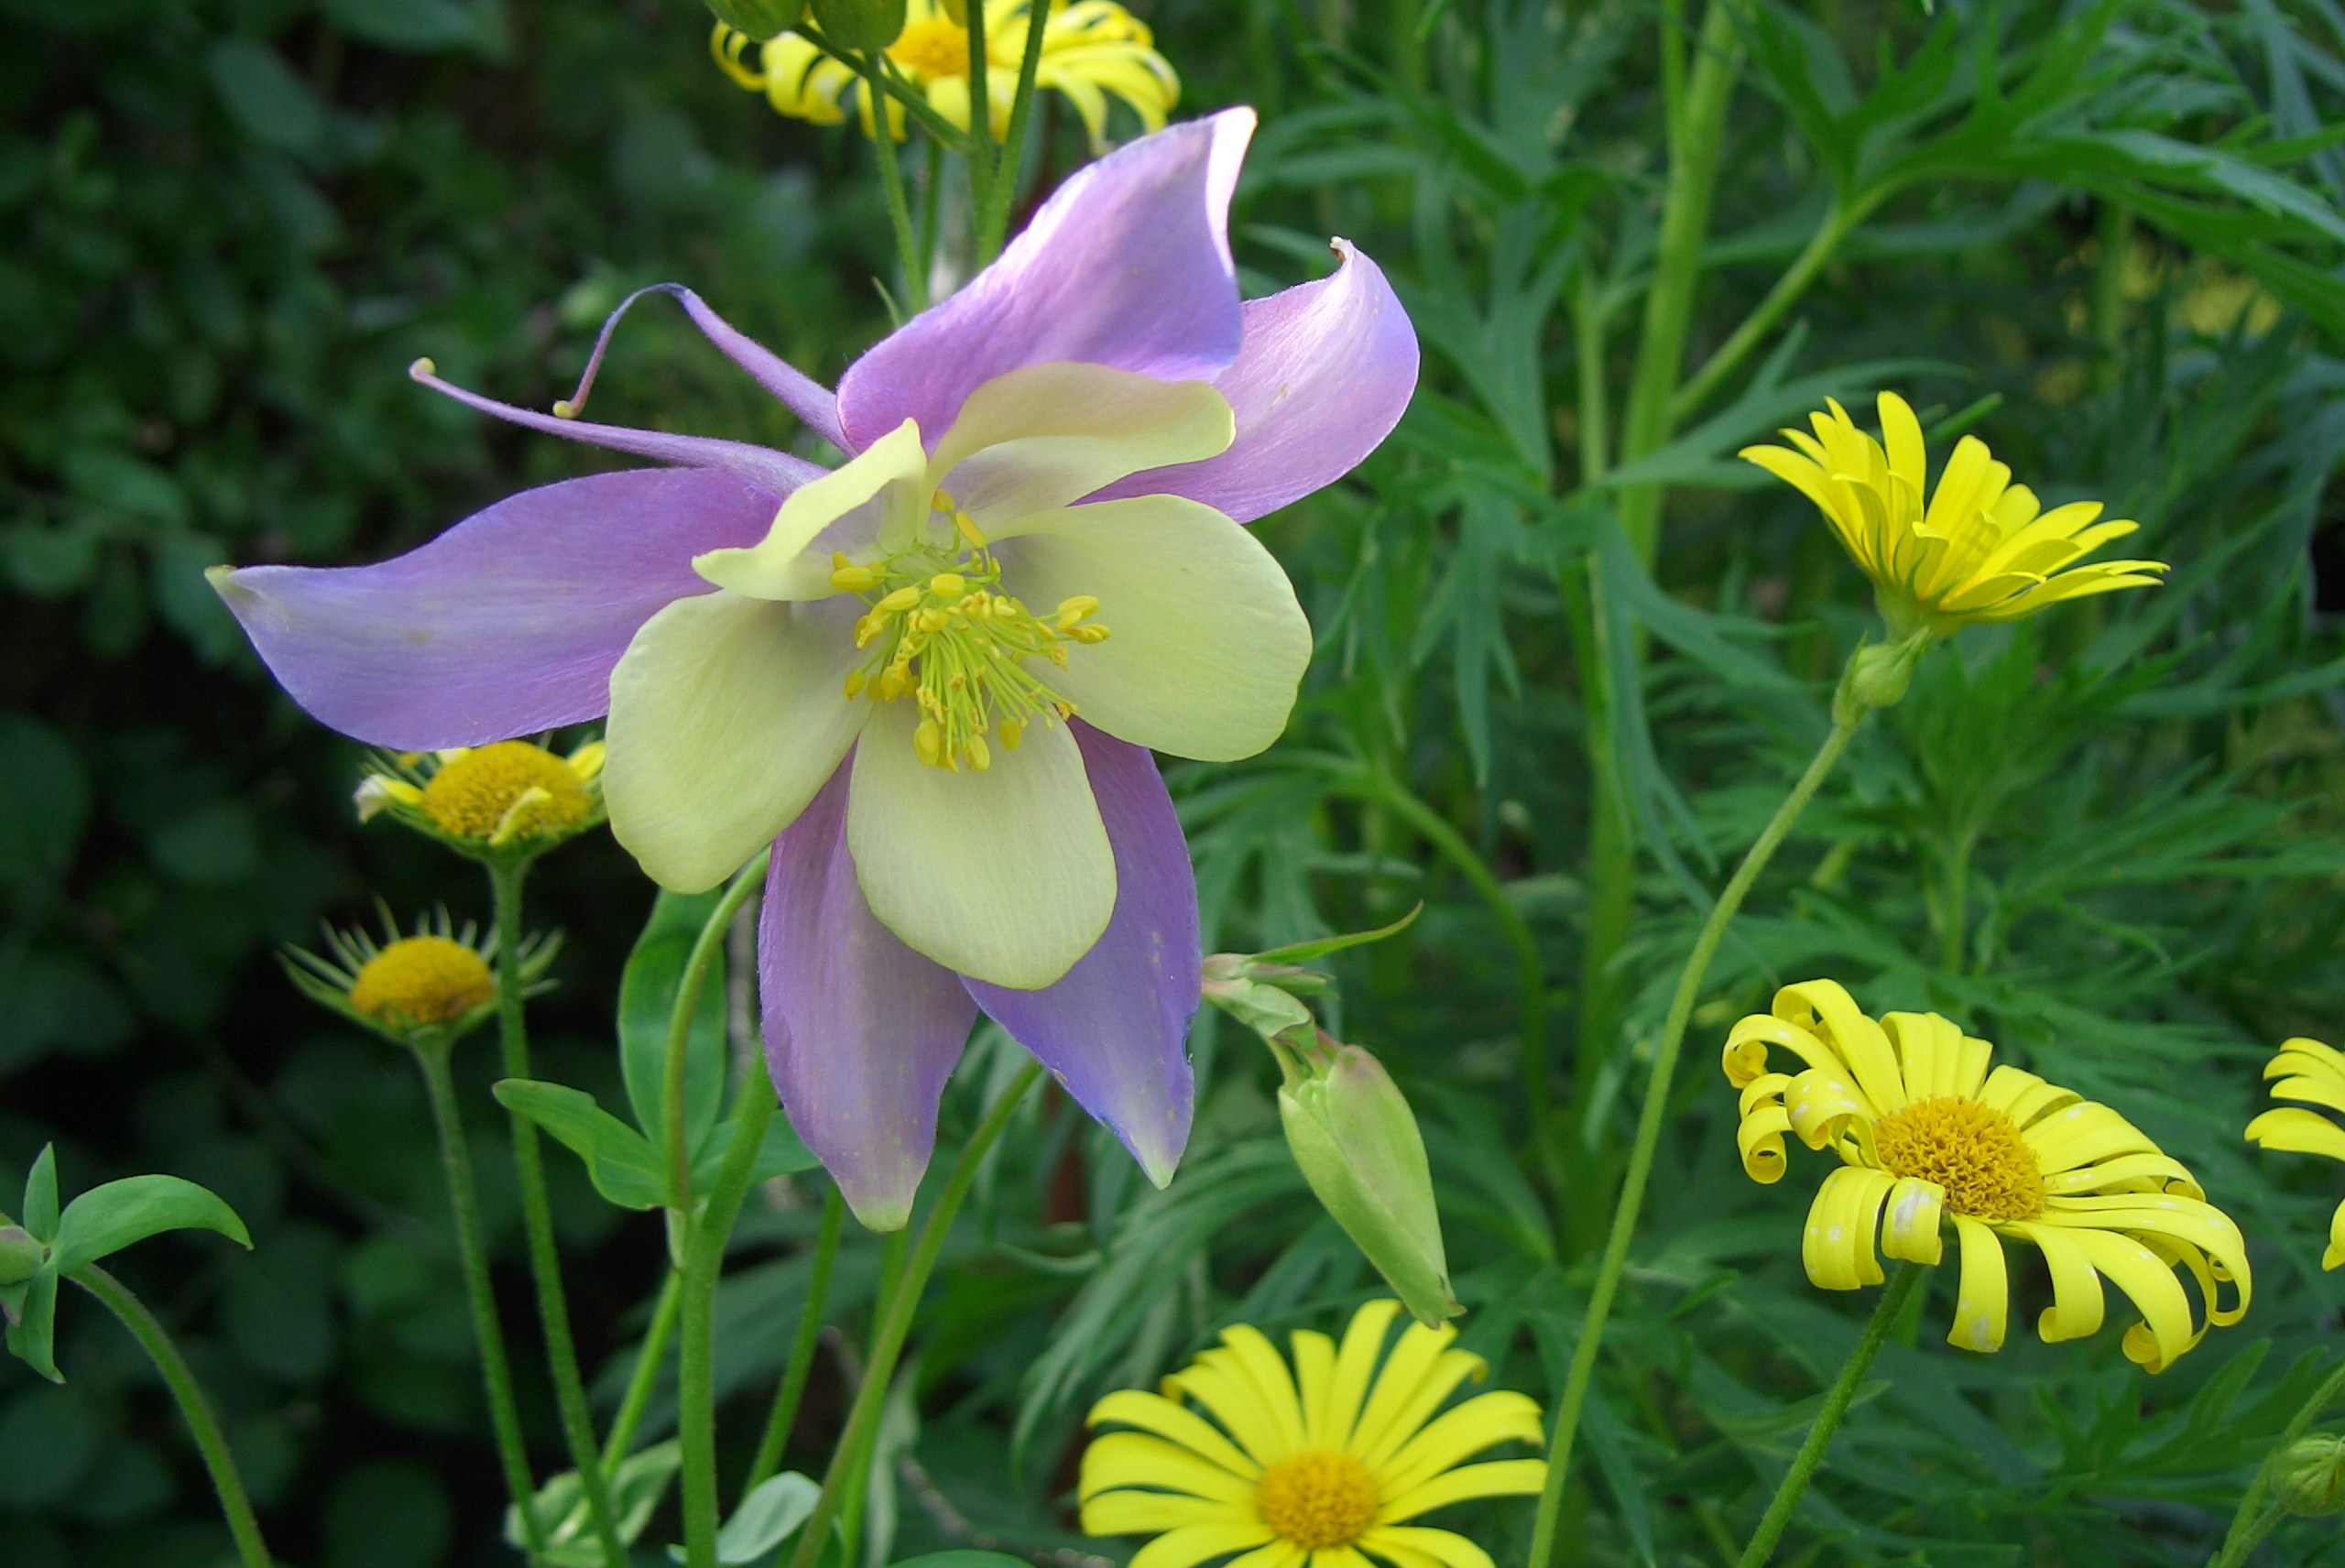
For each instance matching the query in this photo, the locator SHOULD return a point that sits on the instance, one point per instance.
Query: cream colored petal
(1045, 436)
(1983, 1303)
(1004, 876)
(881, 493)
(1207, 645)
(726, 717)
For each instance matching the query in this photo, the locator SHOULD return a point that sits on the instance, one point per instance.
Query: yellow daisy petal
(1138, 1513)
(1136, 1459)
(1413, 1358)
(1483, 1422)
(1983, 1302)
(1414, 1546)
(1254, 1357)
(1355, 1365)
(1155, 1413)
(1498, 1478)
(1191, 1544)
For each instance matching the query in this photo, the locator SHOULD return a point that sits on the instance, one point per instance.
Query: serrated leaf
(620, 1161)
(105, 1219)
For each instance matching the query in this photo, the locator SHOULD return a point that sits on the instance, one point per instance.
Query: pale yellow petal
(1045, 436)
(880, 493)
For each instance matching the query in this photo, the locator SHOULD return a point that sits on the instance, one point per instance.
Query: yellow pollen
(422, 980)
(1973, 1150)
(1319, 1501)
(932, 47)
(473, 792)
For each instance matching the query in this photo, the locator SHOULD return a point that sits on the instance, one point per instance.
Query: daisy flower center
(422, 980)
(1971, 1149)
(475, 792)
(941, 630)
(933, 46)
(1318, 1501)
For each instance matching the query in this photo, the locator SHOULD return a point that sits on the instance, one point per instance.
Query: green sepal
(105, 1219)
(40, 1196)
(859, 24)
(619, 1159)
(32, 1327)
(763, 20)
(20, 1256)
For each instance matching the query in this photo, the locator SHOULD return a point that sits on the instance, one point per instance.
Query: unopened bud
(1877, 677)
(20, 1255)
(2309, 1479)
(1352, 1133)
(860, 23)
(761, 20)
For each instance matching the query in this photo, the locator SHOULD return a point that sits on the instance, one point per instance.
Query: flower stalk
(800, 1369)
(2254, 1520)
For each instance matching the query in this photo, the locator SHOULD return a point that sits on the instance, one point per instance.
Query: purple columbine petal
(1115, 1032)
(775, 471)
(800, 392)
(1127, 265)
(505, 624)
(1323, 373)
(861, 1032)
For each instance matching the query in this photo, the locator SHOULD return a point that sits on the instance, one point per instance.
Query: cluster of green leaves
(1570, 653)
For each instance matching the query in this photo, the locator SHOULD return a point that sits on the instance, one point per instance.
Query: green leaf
(31, 1336)
(266, 97)
(562, 1518)
(767, 1517)
(40, 1196)
(646, 1002)
(417, 26)
(1306, 951)
(618, 1159)
(108, 1218)
(783, 1154)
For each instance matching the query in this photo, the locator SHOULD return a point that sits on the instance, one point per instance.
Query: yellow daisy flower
(1321, 1464)
(2314, 1074)
(511, 795)
(1926, 1133)
(427, 987)
(1092, 50)
(1983, 549)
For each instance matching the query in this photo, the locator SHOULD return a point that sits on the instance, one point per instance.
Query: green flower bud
(20, 1255)
(2309, 1479)
(1353, 1134)
(763, 20)
(860, 23)
(1878, 676)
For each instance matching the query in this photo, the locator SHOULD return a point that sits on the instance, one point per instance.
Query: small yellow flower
(1320, 1463)
(1926, 1135)
(1982, 549)
(2314, 1074)
(508, 795)
(1092, 50)
(427, 987)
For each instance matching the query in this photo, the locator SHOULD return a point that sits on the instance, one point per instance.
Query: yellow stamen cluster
(942, 630)
(510, 788)
(1973, 1150)
(420, 981)
(1318, 1500)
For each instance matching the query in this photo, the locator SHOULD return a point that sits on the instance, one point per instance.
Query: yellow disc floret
(422, 980)
(941, 630)
(932, 45)
(1973, 1150)
(510, 788)
(1318, 1500)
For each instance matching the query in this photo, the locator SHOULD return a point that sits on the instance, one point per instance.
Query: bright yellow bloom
(422, 980)
(1320, 1463)
(1926, 1133)
(1092, 50)
(427, 987)
(2314, 1074)
(508, 794)
(1983, 549)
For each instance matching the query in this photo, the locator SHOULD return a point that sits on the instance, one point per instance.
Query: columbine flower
(1089, 419)
(1325, 1462)
(426, 988)
(1925, 1135)
(1091, 51)
(2314, 1074)
(505, 797)
(1983, 549)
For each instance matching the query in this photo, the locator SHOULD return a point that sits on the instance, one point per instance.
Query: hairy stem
(645, 1377)
(675, 1062)
(1838, 220)
(993, 223)
(2250, 1525)
(801, 1365)
(1827, 1419)
(863, 1420)
(892, 186)
(506, 879)
(488, 1330)
(753, 1114)
(202, 1424)
(1649, 1120)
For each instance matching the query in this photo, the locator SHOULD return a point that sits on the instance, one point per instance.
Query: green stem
(753, 1114)
(1955, 916)
(981, 154)
(676, 1060)
(504, 878)
(1649, 1120)
(1827, 1419)
(891, 185)
(1838, 220)
(993, 223)
(497, 1375)
(1588, 333)
(863, 1419)
(645, 1377)
(202, 1424)
(801, 1365)
(2248, 1525)
(907, 98)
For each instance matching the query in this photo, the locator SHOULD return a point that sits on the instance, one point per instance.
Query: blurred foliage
(2105, 237)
